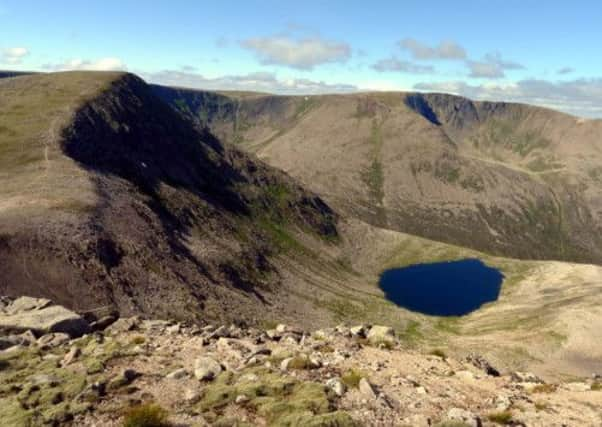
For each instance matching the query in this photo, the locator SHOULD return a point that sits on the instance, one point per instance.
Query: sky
(544, 53)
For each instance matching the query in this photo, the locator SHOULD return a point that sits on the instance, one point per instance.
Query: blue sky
(546, 53)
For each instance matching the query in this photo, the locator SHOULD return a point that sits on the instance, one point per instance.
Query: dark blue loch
(452, 288)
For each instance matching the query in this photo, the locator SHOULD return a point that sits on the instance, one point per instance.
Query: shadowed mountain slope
(110, 198)
(508, 179)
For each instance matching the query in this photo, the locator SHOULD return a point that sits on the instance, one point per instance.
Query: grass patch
(352, 378)
(147, 415)
(280, 400)
(502, 417)
(596, 386)
(452, 424)
(544, 388)
(138, 339)
(439, 353)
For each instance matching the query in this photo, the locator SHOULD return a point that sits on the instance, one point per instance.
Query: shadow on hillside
(131, 134)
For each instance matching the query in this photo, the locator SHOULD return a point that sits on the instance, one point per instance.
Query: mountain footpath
(113, 371)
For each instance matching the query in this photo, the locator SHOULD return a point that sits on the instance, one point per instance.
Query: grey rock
(206, 368)
(526, 377)
(177, 374)
(366, 389)
(192, 396)
(241, 398)
(381, 335)
(284, 365)
(52, 340)
(24, 304)
(337, 386)
(358, 331)
(71, 355)
(125, 324)
(41, 317)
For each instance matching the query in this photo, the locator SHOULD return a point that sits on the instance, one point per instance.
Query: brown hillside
(509, 179)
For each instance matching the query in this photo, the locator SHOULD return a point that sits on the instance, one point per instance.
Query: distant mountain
(509, 179)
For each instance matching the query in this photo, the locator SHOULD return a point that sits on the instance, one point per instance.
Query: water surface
(451, 288)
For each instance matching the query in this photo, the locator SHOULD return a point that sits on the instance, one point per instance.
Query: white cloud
(396, 65)
(259, 82)
(13, 55)
(493, 66)
(102, 64)
(445, 50)
(302, 54)
(581, 97)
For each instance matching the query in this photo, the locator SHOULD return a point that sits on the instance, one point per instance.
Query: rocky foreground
(60, 368)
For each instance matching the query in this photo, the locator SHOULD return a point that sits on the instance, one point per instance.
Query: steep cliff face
(122, 202)
(509, 179)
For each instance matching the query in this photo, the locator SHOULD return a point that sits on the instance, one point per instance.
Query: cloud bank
(260, 82)
(302, 54)
(396, 65)
(581, 97)
(102, 64)
(445, 50)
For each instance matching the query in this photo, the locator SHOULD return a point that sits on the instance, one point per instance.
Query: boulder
(41, 317)
(366, 389)
(71, 356)
(206, 368)
(177, 374)
(358, 331)
(381, 335)
(125, 324)
(52, 340)
(337, 386)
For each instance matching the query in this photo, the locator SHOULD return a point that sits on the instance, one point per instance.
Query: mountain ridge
(512, 170)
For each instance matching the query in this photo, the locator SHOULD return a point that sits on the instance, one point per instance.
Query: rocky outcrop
(41, 317)
(228, 374)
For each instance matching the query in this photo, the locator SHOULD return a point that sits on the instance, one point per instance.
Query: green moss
(439, 353)
(147, 415)
(279, 399)
(333, 419)
(138, 339)
(452, 424)
(94, 366)
(352, 378)
(544, 388)
(503, 417)
(12, 413)
(411, 334)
